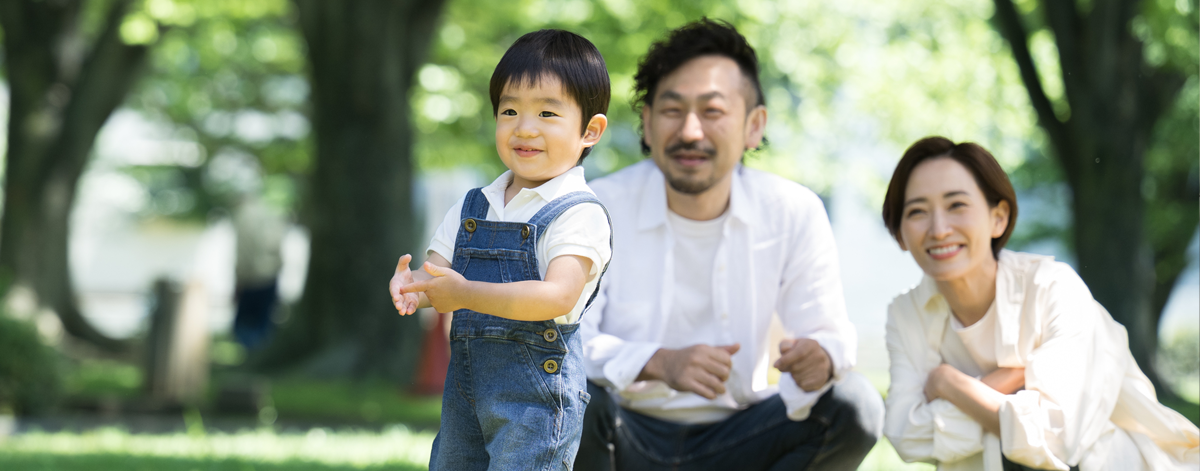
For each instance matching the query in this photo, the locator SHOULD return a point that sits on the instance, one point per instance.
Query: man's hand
(808, 363)
(406, 303)
(447, 290)
(702, 369)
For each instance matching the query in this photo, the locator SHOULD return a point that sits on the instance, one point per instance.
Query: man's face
(698, 127)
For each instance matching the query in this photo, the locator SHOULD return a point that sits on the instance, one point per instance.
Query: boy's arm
(523, 300)
(408, 302)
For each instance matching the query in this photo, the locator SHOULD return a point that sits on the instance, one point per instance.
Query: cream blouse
(1085, 401)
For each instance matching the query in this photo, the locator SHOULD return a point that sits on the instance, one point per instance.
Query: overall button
(525, 233)
(550, 335)
(550, 366)
(469, 225)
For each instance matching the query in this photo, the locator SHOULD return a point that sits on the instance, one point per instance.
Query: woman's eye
(957, 205)
(914, 212)
(509, 112)
(547, 114)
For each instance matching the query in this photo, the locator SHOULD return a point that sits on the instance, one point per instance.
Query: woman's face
(946, 223)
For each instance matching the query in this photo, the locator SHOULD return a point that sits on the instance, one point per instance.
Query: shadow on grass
(106, 462)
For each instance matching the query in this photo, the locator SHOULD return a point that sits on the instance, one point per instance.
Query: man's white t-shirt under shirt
(693, 319)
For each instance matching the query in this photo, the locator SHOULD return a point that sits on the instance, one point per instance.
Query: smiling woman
(1003, 360)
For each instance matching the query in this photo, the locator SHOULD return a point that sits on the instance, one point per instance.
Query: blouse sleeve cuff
(1031, 430)
(955, 434)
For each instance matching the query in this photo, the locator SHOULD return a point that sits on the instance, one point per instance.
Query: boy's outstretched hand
(446, 290)
(406, 303)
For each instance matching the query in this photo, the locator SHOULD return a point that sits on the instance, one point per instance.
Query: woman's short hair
(988, 175)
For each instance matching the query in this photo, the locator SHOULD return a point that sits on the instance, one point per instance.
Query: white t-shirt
(693, 319)
(979, 339)
(582, 230)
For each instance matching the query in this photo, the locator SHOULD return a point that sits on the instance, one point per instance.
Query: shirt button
(721, 268)
(724, 315)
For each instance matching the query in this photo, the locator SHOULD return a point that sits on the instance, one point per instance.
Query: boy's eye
(509, 112)
(547, 114)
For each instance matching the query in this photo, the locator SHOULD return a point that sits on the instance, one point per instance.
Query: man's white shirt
(775, 255)
(581, 230)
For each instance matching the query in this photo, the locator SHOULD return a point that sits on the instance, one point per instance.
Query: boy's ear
(595, 130)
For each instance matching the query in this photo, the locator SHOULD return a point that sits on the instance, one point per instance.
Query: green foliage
(30, 371)
(229, 77)
(344, 401)
(95, 378)
(834, 74)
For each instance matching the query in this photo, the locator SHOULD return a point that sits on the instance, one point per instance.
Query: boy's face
(537, 131)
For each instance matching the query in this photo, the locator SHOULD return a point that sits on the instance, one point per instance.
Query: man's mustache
(691, 146)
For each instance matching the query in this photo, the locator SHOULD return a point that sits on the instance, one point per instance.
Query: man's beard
(682, 183)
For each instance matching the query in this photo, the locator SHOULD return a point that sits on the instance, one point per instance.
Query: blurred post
(177, 349)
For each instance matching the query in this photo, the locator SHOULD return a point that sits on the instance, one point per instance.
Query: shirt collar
(653, 213)
(569, 181)
(1010, 283)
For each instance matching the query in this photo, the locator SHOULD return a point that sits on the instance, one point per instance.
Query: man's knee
(858, 409)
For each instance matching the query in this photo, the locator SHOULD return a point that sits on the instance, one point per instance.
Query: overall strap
(475, 205)
(554, 209)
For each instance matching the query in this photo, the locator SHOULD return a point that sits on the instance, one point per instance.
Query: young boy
(517, 262)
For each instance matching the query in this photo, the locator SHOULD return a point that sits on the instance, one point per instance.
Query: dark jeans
(843, 426)
(252, 324)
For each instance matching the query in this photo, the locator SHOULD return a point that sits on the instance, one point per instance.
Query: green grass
(261, 450)
(318, 449)
(371, 402)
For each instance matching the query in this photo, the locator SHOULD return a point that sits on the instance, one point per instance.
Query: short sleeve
(447, 232)
(582, 230)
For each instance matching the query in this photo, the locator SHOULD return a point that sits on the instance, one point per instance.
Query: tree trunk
(60, 95)
(1115, 100)
(363, 56)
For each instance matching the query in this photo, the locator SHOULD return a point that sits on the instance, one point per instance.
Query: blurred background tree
(69, 65)
(1119, 108)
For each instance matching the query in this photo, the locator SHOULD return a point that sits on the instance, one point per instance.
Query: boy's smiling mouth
(526, 151)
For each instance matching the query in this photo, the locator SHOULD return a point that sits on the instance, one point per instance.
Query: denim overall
(516, 391)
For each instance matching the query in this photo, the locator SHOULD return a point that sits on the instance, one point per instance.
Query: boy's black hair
(703, 37)
(574, 60)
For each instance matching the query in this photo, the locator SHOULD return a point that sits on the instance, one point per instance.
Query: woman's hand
(937, 381)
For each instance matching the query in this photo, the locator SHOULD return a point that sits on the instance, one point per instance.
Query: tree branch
(1064, 21)
(108, 73)
(1009, 23)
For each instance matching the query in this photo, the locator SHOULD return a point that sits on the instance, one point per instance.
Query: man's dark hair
(703, 37)
(574, 60)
